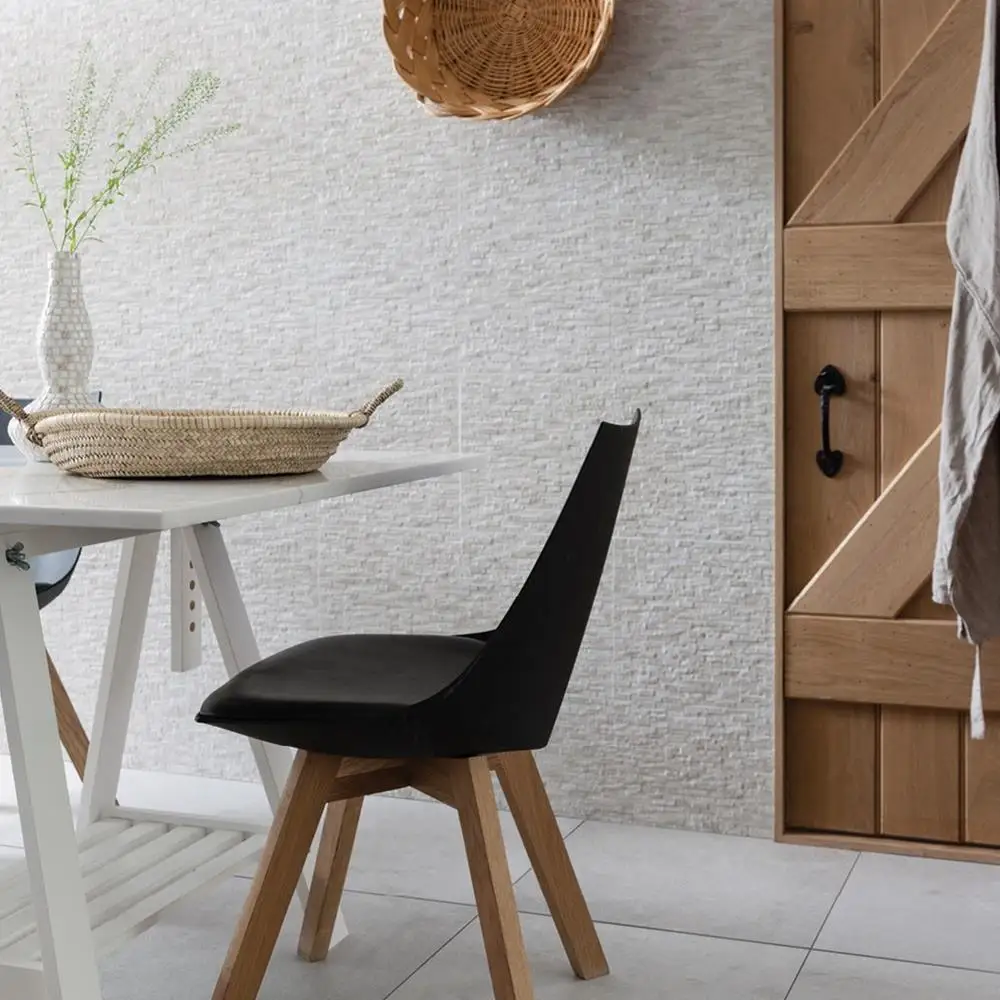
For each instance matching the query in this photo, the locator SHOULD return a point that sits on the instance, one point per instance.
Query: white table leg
(118, 678)
(239, 648)
(67, 947)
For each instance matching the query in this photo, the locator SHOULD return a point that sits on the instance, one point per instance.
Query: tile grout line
(603, 923)
(836, 899)
(812, 947)
(798, 973)
(430, 958)
(908, 961)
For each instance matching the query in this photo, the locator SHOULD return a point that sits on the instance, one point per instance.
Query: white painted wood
(114, 933)
(118, 677)
(185, 608)
(41, 541)
(17, 894)
(14, 879)
(22, 981)
(131, 815)
(138, 848)
(239, 649)
(44, 497)
(235, 636)
(66, 943)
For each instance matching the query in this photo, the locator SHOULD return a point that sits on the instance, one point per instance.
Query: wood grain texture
(852, 267)
(982, 785)
(828, 86)
(830, 779)
(778, 555)
(472, 788)
(71, 732)
(922, 664)
(819, 512)
(327, 888)
(909, 134)
(885, 557)
(890, 845)
(536, 822)
(921, 751)
(295, 823)
(921, 774)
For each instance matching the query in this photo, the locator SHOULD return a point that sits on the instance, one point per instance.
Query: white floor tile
(920, 910)
(645, 965)
(754, 890)
(837, 977)
(413, 848)
(180, 958)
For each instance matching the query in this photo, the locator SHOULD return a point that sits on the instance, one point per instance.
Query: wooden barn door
(874, 98)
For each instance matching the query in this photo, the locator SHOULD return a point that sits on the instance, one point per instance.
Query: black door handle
(829, 382)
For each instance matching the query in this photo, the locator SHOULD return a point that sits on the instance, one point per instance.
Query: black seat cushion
(352, 695)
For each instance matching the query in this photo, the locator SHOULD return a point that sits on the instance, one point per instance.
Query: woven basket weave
(493, 59)
(167, 444)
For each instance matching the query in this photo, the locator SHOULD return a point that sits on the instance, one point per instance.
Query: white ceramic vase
(65, 348)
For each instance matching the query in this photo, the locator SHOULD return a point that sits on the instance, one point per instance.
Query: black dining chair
(371, 713)
(51, 574)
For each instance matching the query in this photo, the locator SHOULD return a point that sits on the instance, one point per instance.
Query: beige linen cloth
(967, 558)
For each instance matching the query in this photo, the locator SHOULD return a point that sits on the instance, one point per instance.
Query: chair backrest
(52, 572)
(514, 689)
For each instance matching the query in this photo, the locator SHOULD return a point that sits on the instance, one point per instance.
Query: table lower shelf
(132, 871)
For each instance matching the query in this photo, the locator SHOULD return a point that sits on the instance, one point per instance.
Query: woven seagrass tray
(172, 444)
(495, 59)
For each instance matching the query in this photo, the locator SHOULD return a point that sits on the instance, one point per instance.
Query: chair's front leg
(472, 789)
(281, 864)
(529, 802)
(67, 946)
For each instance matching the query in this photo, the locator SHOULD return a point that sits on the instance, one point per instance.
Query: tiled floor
(682, 917)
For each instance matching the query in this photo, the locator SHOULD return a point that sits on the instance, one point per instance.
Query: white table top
(42, 496)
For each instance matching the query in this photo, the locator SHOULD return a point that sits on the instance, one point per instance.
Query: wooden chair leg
(281, 864)
(71, 731)
(472, 789)
(327, 890)
(529, 802)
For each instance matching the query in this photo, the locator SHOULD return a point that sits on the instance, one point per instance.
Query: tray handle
(18, 412)
(366, 411)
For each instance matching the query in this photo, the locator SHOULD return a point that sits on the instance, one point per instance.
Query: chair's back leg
(295, 824)
(472, 790)
(327, 888)
(71, 732)
(529, 802)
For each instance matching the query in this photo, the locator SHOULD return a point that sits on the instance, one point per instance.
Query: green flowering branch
(86, 115)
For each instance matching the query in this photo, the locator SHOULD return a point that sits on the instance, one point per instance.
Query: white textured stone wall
(526, 279)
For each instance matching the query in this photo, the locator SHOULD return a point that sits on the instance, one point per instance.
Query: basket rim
(493, 106)
(50, 420)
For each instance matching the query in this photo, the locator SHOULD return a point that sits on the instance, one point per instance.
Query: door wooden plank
(913, 344)
(982, 786)
(885, 558)
(885, 661)
(921, 774)
(819, 512)
(903, 266)
(830, 782)
(828, 88)
(921, 750)
(829, 85)
(910, 132)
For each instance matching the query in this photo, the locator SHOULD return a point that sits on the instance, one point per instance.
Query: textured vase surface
(65, 348)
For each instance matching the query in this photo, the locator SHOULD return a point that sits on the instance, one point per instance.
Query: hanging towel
(967, 557)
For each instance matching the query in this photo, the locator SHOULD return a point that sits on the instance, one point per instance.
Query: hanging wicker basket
(494, 59)
(169, 444)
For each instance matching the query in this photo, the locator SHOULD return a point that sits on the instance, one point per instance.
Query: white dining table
(86, 888)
